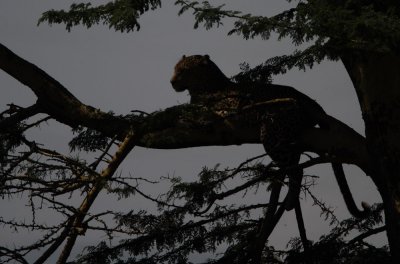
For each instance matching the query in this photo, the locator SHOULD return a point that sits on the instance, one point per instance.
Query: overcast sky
(124, 72)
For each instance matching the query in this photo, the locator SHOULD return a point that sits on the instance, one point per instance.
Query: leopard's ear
(184, 57)
(206, 59)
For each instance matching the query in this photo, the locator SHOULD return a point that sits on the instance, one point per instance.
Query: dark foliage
(88, 140)
(122, 15)
(329, 28)
(200, 224)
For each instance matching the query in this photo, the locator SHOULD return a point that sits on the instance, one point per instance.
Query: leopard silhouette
(279, 127)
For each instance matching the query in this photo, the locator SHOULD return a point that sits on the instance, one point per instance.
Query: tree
(365, 39)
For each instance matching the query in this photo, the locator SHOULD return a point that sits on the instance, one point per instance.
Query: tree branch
(18, 115)
(56, 243)
(181, 126)
(55, 100)
(123, 150)
(367, 234)
(342, 143)
(301, 226)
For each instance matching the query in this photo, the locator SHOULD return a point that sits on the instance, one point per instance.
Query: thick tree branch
(55, 100)
(180, 126)
(342, 143)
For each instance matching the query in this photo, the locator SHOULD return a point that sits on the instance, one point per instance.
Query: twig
(366, 234)
(20, 114)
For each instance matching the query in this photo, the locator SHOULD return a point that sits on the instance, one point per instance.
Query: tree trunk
(376, 78)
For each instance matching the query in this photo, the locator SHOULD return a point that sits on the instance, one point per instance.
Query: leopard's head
(197, 73)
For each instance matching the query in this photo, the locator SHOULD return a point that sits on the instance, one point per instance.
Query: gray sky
(123, 72)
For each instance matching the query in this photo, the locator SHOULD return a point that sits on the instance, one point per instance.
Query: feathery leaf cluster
(122, 15)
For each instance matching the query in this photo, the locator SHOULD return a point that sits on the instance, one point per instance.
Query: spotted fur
(279, 127)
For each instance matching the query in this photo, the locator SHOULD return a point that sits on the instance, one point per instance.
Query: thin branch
(19, 115)
(34, 124)
(327, 211)
(103, 154)
(56, 243)
(123, 150)
(369, 233)
(146, 196)
(15, 256)
(301, 227)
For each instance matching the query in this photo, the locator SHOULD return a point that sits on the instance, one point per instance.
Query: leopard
(279, 127)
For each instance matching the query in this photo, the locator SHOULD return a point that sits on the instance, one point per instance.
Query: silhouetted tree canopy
(197, 217)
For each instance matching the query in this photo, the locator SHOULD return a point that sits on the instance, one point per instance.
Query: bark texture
(376, 78)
